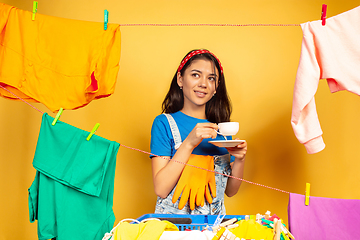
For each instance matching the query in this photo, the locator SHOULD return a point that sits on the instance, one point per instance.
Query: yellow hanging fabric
(58, 62)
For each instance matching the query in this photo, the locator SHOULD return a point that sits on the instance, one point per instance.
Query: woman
(196, 102)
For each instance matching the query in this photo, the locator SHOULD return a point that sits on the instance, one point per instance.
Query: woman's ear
(179, 80)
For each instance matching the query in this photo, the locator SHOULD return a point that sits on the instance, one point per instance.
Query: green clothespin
(106, 18)
(57, 116)
(270, 222)
(93, 131)
(35, 6)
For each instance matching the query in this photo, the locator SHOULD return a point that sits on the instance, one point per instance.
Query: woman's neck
(198, 112)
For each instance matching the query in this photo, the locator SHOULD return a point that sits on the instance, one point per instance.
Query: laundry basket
(191, 222)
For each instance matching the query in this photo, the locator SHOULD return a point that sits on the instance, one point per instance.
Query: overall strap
(174, 130)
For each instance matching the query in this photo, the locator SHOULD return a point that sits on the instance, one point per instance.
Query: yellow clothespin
(93, 131)
(35, 6)
(219, 234)
(57, 116)
(307, 194)
(106, 18)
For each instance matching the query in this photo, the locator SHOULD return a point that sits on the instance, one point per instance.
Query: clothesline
(240, 179)
(22, 99)
(207, 25)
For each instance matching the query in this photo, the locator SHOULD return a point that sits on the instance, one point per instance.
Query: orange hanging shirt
(59, 62)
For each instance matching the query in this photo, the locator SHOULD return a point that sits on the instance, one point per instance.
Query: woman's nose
(202, 82)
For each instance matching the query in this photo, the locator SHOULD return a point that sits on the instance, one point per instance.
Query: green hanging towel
(72, 194)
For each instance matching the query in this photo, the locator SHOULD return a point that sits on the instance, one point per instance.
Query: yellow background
(260, 65)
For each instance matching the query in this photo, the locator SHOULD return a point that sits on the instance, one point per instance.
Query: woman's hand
(238, 151)
(200, 132)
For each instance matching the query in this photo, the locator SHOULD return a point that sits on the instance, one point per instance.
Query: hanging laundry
(58, 62)
(328, 52)
(324, 218)
(72, 194)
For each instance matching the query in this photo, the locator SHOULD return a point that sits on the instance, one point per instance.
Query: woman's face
(198, 83)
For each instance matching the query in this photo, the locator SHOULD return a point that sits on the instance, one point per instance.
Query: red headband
(196, 52)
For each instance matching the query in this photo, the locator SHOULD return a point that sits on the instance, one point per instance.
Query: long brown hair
(218, 108)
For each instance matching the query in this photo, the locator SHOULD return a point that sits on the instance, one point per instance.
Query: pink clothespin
(323, 14)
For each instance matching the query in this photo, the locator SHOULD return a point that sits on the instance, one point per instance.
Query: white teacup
(228, 128)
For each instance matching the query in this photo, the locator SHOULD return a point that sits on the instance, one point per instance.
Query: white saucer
(227, 143)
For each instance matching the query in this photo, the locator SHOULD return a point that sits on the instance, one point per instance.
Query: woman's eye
(195, 75)
(211, 78)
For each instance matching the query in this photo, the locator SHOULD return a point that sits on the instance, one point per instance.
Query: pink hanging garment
(324, 218)
(329, 52)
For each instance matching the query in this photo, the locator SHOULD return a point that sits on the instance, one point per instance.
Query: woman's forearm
(166, 172)
(233, 184)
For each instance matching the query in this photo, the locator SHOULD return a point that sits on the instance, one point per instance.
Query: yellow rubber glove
(194, 183)
(211, 187)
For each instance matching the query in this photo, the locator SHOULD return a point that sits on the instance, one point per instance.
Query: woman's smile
(200, 94)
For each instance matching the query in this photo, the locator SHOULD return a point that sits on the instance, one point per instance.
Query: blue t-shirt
(162, 141)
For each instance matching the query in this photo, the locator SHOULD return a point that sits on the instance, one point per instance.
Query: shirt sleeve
(304, 118)
(161, 138)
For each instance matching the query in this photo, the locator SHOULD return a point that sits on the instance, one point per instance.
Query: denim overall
(221, 165)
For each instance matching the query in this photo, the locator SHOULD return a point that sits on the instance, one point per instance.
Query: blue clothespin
(57, 116)
(106, 18)
(35, 6)
(218, 220)
(93, 131)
